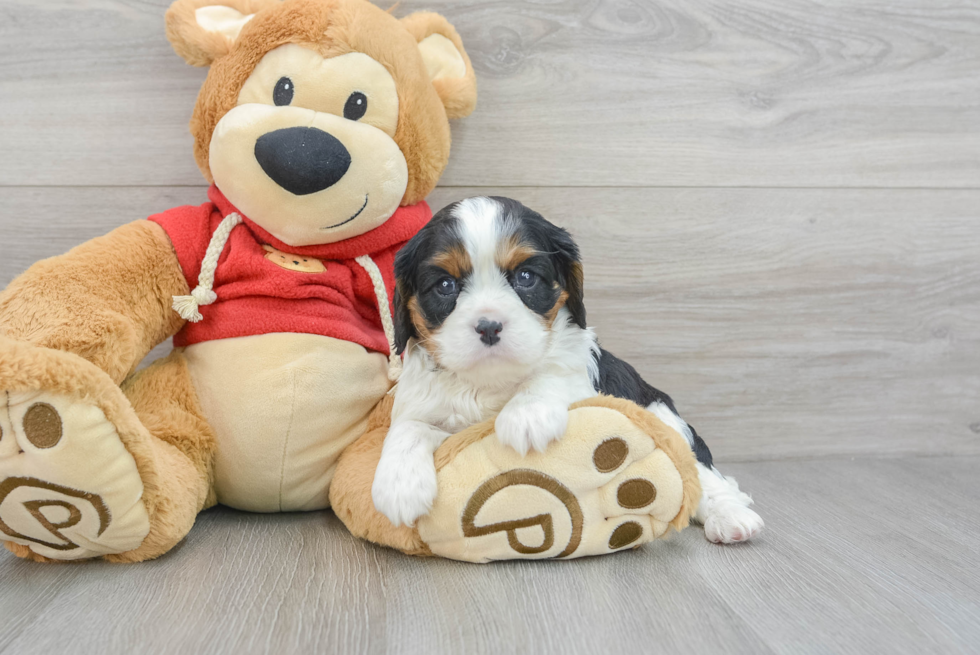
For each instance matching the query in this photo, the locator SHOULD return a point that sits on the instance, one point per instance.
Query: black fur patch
(417, 278)
(618, 378)
(540, 297)
(557, 265)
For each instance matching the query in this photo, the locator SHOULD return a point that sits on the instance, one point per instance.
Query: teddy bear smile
(356, 214)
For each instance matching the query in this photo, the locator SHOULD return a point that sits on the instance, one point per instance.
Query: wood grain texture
(582, 92)
(785, 323)
(866, 556)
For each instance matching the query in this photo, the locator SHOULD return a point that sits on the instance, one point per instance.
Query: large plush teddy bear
(322, 125)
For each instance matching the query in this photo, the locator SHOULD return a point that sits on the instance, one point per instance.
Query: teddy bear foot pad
(604, 487)
(69, 489)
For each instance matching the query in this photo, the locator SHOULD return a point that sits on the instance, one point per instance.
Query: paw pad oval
(625, 534)
(610, 454)
(42, 425)
(634, 494)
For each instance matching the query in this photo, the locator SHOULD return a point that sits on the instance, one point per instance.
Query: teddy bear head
(319, 118)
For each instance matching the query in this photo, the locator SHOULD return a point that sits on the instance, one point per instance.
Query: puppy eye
(355, 106)
(283, 93)
(525, 279)
(446, 286)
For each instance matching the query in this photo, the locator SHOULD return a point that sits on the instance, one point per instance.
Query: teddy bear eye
(283, 93)
(356, 106)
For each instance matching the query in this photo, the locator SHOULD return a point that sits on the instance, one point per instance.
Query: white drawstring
(384, 309)
(187, 306)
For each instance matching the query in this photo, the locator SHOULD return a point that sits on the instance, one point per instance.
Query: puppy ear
(406, 270)
(447, 62)
(201, 31)
(570, 270)
(404, 327)
(576, 294)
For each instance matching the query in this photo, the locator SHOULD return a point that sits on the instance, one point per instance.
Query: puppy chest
(283, 407)
(466, 408)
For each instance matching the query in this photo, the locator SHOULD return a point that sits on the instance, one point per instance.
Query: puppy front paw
(531, 424)
(405, 487)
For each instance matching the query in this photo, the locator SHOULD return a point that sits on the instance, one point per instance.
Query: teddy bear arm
(107, 300)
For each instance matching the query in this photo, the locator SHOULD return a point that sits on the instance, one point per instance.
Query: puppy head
(485, 283)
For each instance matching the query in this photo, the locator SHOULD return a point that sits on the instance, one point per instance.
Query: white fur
(405, 481)
(724, 509)
(672, 420)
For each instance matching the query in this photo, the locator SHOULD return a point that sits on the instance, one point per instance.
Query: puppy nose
(489, 331)
(302, 160)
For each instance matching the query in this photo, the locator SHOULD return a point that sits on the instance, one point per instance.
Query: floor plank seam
(543, 186)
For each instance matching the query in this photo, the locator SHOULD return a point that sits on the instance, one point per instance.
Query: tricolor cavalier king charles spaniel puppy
(489, 314)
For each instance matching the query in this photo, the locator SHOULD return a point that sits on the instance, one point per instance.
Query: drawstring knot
(188, 306)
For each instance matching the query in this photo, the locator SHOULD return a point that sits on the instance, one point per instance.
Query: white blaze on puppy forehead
(481, 227)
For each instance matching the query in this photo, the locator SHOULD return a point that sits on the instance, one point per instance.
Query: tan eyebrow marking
(455, 261)
(512, 252)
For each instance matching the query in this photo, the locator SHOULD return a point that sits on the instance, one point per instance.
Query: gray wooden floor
(779, 207)
(861, 556)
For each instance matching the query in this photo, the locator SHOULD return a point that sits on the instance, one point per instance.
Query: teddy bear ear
(201, 31)
(447, 62)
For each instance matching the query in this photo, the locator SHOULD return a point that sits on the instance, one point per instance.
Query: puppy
(489, 314)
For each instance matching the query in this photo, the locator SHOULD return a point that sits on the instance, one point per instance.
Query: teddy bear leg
(183, 443)
(80, 475)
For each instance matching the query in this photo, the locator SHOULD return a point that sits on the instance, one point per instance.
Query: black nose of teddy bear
(302, 160)
(489, 331)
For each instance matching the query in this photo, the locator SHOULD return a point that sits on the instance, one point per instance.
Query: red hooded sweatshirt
(255, 295)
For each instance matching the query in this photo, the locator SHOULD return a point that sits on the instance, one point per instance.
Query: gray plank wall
(778, 200)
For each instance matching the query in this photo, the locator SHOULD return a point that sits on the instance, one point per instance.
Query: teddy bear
(321, 126)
